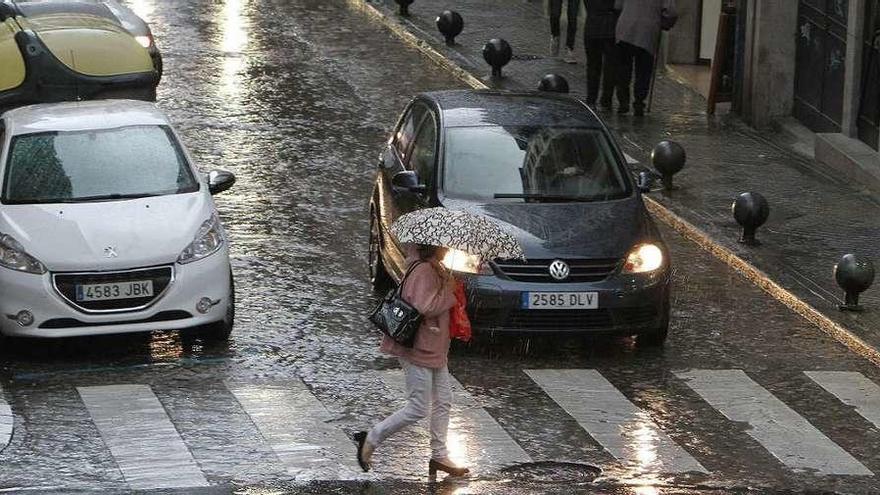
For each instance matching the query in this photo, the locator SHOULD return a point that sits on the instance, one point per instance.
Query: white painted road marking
(7, 422)
(295, 424)
(623, 429)
(475, 438)
(853, 389)
(630, 160)
(782, 431)
(141, 437)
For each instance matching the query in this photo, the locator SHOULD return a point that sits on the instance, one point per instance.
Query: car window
(424, 151)
(405, 134)
(531, 164)
(93, 165)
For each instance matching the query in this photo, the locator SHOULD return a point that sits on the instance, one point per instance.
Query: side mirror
(646, 181)
(6, 11)
(408, 181)
(219, 181)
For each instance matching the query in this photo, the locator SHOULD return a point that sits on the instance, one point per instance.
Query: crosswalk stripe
(853, 389)
(6, 422)
(141, 437)
(475, 438)
(781, 430)
(623, 429)
(295, 424)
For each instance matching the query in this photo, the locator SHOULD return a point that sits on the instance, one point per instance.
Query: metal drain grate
(553, 472)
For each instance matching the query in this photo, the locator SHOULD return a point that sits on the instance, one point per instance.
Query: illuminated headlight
(460, 261)
(643, 258)
(144, 41)
(208, 241)
(13, 256)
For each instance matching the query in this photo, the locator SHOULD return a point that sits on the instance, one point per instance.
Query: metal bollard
(668, 158)
(553, 83)
(450, 24)
(750, 211)
(854, 274)
(404, 6)
(497, 53)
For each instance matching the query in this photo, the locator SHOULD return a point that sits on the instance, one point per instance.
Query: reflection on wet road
(295, 97)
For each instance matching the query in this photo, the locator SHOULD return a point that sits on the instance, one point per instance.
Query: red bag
(459, 324)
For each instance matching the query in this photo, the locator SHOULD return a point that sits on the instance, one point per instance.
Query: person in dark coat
(600, 45)
(638, 34)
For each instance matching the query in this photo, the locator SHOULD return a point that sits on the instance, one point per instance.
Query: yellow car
(76, 55)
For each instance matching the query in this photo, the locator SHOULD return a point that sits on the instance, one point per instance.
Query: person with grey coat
(638, 34)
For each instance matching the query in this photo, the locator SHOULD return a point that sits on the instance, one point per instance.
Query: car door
(410, 138)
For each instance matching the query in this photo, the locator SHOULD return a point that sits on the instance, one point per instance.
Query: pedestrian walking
(638, 36)
(601, 50)
(430, 288)
(555, 15)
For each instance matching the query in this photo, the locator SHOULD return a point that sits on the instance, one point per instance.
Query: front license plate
(560, 300)
(117, 290)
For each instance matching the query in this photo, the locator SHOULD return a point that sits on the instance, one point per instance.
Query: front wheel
(220, 331)
(656, 337)
(379, 277)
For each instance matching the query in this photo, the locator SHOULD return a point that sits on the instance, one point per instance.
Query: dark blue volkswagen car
(544, 166)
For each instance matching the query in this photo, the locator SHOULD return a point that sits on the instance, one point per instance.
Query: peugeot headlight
(14, 257)
(460, 261)
(144, 41)
(643, 258)
(208, 241)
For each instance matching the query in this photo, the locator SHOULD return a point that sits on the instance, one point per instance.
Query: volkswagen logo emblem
(559, 270)
(110, 252)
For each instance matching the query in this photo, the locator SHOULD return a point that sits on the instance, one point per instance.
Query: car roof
(461, 108)
(82, 115)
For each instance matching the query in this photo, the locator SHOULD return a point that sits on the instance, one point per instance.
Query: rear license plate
(560, 300)
(117, 290)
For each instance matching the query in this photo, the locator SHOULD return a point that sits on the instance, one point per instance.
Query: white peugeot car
(106, 226)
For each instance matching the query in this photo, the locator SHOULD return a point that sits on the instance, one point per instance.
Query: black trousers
(602, 69)
(631, 57)
(556, 14)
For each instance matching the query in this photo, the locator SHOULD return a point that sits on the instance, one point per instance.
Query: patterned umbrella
(456, 229)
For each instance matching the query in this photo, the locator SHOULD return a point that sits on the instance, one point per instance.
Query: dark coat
(601, 19)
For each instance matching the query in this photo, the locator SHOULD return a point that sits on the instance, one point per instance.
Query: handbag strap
(409, 270)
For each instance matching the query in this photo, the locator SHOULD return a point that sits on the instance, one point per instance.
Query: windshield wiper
(543, 197)
(105, 197)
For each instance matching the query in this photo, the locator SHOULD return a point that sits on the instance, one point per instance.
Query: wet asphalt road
(295, 97)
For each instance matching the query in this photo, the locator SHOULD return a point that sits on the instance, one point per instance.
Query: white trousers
(427, 392)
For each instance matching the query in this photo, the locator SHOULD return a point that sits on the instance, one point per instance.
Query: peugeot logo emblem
(559, 270)
(110, 252)
(398, 313)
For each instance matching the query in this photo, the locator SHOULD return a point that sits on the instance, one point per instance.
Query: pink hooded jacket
(426, 291)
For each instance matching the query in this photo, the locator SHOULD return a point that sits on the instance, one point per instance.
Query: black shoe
(605, 106)
(639, 111)
(361, 438)
(623, 109)
(434, 466)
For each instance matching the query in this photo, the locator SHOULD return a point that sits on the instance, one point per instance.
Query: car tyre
(220, 331)
(379, 277)
(657, 337)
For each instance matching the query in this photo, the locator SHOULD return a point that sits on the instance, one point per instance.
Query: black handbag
(667, 20)
(397, 318)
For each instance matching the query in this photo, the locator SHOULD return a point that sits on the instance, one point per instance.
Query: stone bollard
(553, 83)
(854, 274)
(497, 53)
(668, 157)
(750, 211)
(450, 24)
(404, 6)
